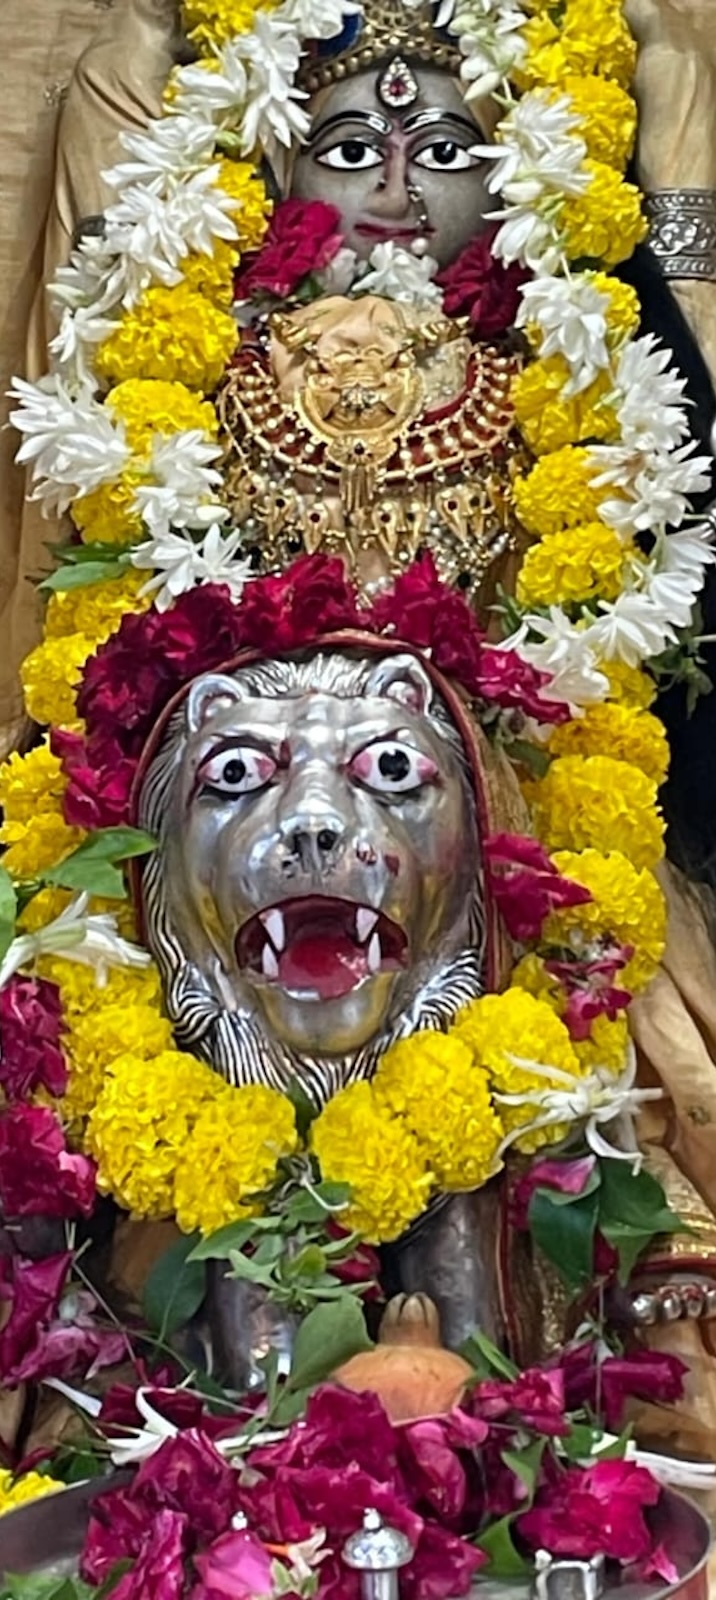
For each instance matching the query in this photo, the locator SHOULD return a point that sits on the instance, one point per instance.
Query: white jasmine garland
(319, 19)
(179, 563)
(649, 397)
(170, 147)
(553, 644)
(572, 316)
(270, 56)
(592, 1102)
(71, 443)
(653, 488)
(492, 44)
(401, 276)
(180, 491)
(154, 226)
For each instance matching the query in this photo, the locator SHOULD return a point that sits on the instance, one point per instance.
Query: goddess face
(402, 172)
(318, 847)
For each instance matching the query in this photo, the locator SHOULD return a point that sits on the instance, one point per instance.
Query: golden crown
(384, 28)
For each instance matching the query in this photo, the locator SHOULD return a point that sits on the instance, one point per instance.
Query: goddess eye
(444, 155)
(236, 771)
(390, 767)
(351, 155)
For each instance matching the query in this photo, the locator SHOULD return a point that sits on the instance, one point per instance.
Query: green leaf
(526, 1464)
(8, 911)
(309, 1263)
(505, 1560)
(83, 574)
(174, 1289)
(565, 1233)
(248, 1270)
(92, 865)
(95, 550)
(219, 1245)
(303, 1105)
(633, 1210)
(328, 1337)
(579, 1443)
(485, 1357)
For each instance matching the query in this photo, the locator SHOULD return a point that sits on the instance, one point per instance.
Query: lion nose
(315, 843)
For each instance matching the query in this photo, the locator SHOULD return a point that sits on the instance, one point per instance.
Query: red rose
(188, 1475)
(599, 1511)
(30, 1039)
(480, 287)
(526, 884)
(437, 1459)
(302, 237)
(237, 1565)
(535, 1399)
(313, 597)
(39, 1176)
(44, 1337)
(159, 1553)
(606, 1385)
(100, 779)
(565, 1177)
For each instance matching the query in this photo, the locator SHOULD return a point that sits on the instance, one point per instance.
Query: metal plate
(46, 1536)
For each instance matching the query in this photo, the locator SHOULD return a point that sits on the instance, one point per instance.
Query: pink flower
(437, 1459)
(534, 1399)
(48, 1335)
(443, 1567)
(39, 1176)
(606, 1385)
(158, 1573)
(236, 1565)
(599, 1511)
(31, 1039)
(302, 237)
(590, 989)
(187, 1474)
(100, 779)
(478, 286)
(526, 884)
(564, 1176)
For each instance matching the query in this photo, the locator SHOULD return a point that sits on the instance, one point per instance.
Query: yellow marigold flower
(50, 675)
(591, 36)
(531, 975)
(607, 1044)
(239, 1139)
(213, 276)
(548, 420)
(241, 180)
(17, 1491)
(379, 1157)
(40, 910)
(96, 609)
(625, 734)
(608, 118)
(151, 406)
(97, 1036)
(606, 1048)
(214, 22)
(124, 987)
(627, 906)
(595, 802)
(576, 564)
(557, 493)
(605, 222)
(501, 1027)
(107, 514)
(37, 844)
(432, 1069)
(139, 1127)
(629, 686)
(171, 334)
(31, 784)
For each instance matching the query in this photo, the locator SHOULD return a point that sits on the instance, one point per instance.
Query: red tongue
(329, 963)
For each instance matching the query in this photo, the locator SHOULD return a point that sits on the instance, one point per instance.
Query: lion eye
(390, 767)
(236, 771)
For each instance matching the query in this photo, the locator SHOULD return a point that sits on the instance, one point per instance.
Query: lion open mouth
(320, 947)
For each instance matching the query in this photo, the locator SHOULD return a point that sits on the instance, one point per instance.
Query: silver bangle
(682, 232)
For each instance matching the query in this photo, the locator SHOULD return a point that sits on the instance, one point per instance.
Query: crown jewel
(385, 29)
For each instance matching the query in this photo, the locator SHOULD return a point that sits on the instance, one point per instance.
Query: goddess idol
(382, 529)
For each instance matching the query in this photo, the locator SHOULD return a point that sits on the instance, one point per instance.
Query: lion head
(317, 888)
